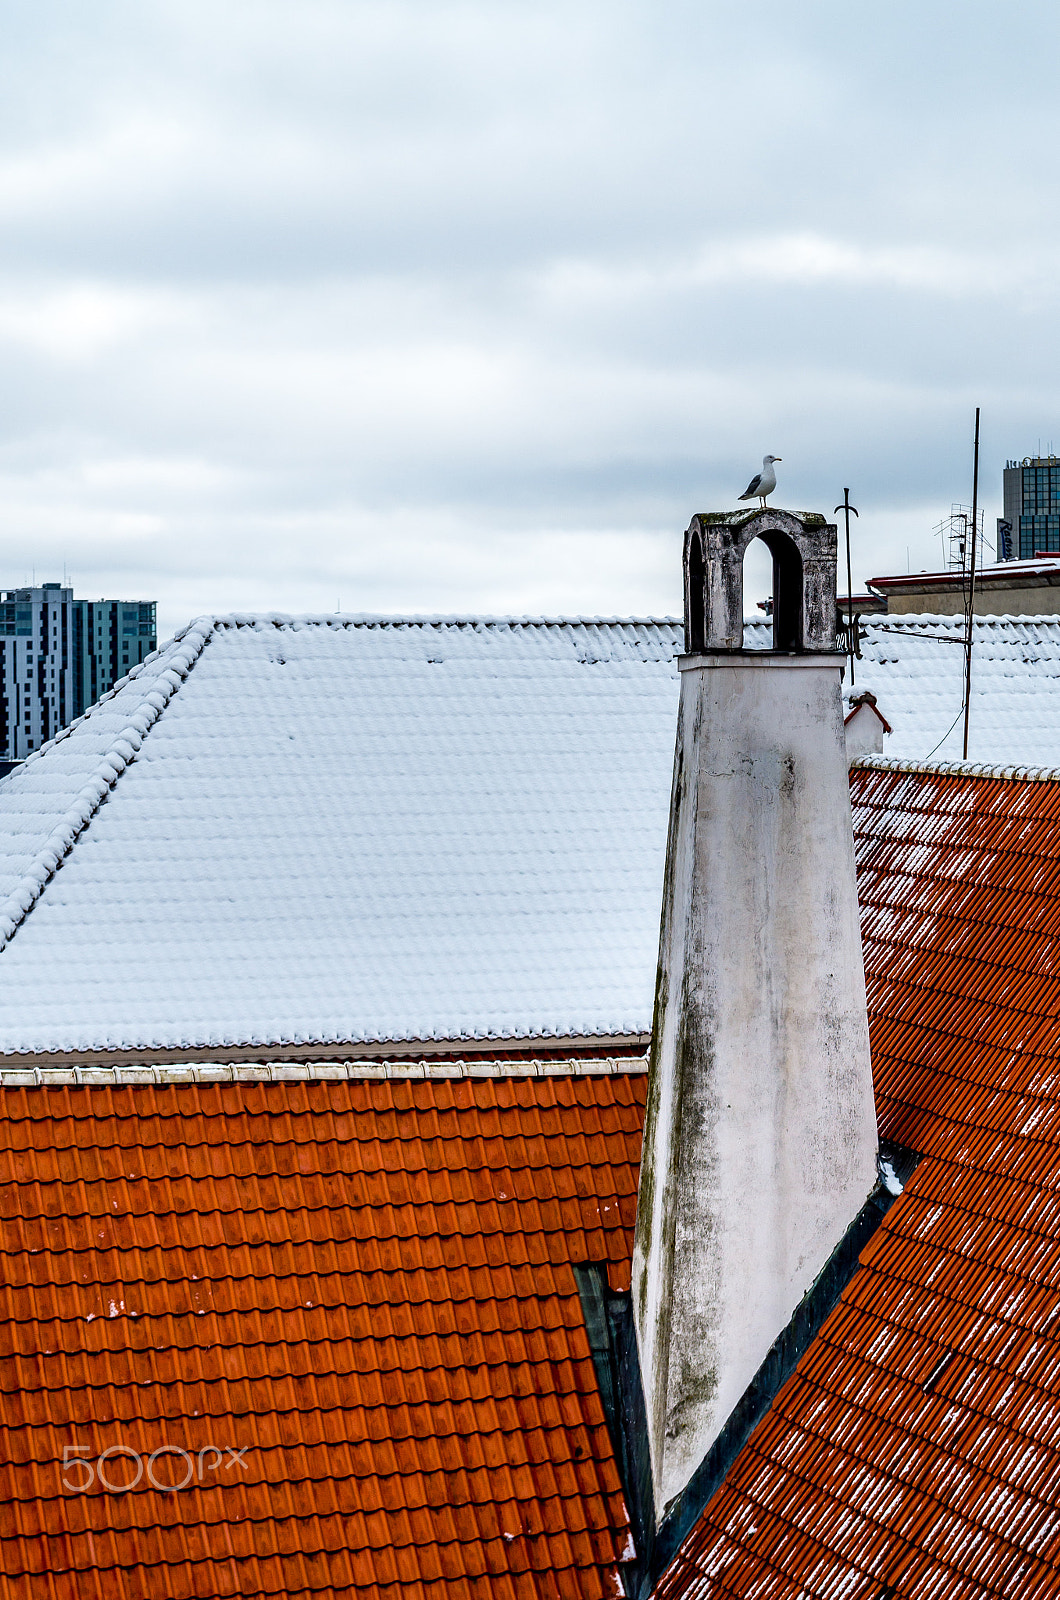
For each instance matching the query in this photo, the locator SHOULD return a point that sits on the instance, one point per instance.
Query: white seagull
(763, 482)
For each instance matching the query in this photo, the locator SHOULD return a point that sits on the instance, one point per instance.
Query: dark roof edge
(123, 750)
(955, 769)
(28, 1077)
(867, 698)
(333, 1052)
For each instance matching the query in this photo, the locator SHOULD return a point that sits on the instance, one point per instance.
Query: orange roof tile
(364, 1288)
(916, 1448)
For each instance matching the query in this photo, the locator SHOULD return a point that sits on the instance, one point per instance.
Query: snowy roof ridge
(957, 769)
(181, 655)
(463, 619)
(956, 620)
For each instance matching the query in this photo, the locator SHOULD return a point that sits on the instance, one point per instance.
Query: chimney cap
(738, 519)
(804, 549)
(866, 698)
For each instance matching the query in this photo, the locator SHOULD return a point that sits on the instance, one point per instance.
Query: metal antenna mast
(971, 589)
(846, 508)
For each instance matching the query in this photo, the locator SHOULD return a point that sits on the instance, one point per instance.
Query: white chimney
(760, 1132)
(866, 727)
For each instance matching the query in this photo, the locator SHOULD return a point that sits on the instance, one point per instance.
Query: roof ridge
(398, 619)
(121, 751)
(956, 619)
(956, 769)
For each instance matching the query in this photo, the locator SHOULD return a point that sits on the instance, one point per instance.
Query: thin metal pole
(971, 588)
(846, 508)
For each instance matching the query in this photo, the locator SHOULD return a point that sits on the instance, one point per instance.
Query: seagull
(763, 482)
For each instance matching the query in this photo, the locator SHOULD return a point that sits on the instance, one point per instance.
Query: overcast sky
(466, 307)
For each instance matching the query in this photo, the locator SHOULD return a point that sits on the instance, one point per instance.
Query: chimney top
(804, 548)
(732, 519)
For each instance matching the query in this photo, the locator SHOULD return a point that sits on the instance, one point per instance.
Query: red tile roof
(916, 1449)
(365, 1287)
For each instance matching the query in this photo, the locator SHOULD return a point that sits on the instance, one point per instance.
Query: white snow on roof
(914, 665)
(48, 800)
(299, 830)
(343, 830)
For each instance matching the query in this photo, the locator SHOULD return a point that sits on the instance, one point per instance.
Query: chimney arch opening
(757, 599)
(696, 598)
(787, 590)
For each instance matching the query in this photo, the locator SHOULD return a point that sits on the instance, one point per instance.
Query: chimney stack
(760, 1132)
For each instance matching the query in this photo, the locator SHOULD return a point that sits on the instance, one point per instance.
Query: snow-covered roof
(914, 665)
(285, 830)
(288, 831)
(1001, 574)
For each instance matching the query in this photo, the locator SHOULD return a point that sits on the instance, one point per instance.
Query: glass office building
(1032, 506)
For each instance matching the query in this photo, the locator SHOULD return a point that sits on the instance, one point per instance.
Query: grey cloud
(467, 306)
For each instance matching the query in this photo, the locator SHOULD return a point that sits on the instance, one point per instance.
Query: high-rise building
(1031, 523)
(110, 638)
(58, 655)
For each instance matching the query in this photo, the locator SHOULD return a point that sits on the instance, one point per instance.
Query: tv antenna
(971, 588)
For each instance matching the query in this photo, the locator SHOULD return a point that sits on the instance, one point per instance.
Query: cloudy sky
(435, 306)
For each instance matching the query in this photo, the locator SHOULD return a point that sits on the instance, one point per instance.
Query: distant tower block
(760, 1132)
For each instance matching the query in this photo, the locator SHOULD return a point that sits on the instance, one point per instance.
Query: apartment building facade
(110, 638)
(58, 655)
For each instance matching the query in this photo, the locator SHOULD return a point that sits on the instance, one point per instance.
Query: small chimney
(866, 727)
(760, 1131)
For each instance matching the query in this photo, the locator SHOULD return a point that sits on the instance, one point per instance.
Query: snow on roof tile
(368, 1286)
(344, 830)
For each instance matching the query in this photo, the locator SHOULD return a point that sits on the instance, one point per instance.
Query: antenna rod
(846, 508)
(971, 589)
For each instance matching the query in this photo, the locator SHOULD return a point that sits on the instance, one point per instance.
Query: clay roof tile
(916, 1448)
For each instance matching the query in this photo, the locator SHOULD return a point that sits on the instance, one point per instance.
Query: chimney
(866, 727)
(760, 1132)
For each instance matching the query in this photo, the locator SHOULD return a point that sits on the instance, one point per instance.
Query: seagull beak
(778, 458)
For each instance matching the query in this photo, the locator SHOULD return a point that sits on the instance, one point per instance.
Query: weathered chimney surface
(760, 1134)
